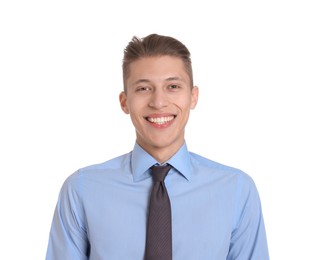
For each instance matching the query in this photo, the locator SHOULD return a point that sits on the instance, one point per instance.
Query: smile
(160, 120)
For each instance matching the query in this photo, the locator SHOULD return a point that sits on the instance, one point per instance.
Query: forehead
(157, 68)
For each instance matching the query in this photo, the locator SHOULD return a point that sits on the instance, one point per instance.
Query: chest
(116, 218)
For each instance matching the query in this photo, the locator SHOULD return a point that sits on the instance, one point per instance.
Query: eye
(174, 86)
(142, 89)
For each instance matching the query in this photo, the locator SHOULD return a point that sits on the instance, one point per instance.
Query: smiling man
(160, 201)
(158, 97)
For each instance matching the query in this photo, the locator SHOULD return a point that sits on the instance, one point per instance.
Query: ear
(194, 97)
(122, 99)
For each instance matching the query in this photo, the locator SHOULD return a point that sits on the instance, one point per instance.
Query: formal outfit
(102, 211)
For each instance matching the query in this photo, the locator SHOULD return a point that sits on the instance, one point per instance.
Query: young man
(104, 211)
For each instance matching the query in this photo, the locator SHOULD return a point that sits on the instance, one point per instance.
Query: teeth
(160, 120)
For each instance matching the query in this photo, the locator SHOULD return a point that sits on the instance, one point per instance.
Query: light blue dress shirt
(101, 212)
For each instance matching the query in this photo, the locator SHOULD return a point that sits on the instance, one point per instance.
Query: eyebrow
(141, 81)
(174, 79)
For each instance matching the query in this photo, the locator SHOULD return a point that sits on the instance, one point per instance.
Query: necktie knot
(159, 173)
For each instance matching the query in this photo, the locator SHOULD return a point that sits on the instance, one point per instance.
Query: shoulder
(226, 179)
(219, 170)
(115, 164)
(97, 172)
(210, 165)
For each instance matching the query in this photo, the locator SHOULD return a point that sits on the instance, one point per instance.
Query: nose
(158, 99)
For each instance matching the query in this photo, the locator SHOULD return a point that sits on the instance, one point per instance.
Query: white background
(60, 77)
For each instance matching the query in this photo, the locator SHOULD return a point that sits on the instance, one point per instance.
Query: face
(159, 98)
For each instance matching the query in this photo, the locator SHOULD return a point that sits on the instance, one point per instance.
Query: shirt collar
(141, 161)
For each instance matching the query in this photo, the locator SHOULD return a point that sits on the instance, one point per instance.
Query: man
(104, 211)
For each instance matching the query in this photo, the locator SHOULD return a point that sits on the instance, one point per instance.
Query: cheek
(135, 110)
(136, 104)
(185, 104)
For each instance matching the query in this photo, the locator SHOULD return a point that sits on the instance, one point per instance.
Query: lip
(160, 120)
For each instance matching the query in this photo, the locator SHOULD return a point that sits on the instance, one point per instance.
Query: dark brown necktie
(158, 238)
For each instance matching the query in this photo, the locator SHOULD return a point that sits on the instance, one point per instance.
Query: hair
(155, 45)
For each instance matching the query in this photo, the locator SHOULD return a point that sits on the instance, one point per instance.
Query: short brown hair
(155, 45)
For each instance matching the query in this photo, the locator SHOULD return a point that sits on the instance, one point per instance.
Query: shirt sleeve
(68, 236)
(248, 239)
